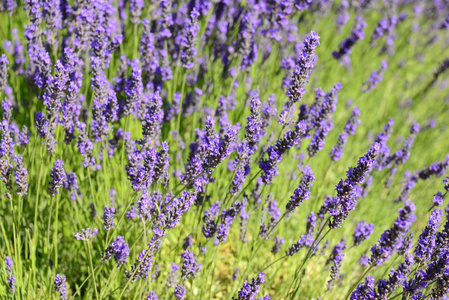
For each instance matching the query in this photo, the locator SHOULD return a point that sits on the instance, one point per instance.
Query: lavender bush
(224, 149)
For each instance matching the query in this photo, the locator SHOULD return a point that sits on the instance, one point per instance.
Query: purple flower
(278, 242)
(438, 199)
(152, 121)
(152, 296)
(250, 290)
(188, 242)
(438, 169)
(60, 286)
(254, 123)
(375, 78)
(274, 213)
(86, 234)
(357, 34)
(318, 139)
(136, 7)
(362, 231)
(434, 270)
(275, 152)
(337, 150)
(391, 239)
(210, 227)
(395, 279)
(188, 40)
(3, 71)
(133, 89)
(340, 206)
(353, 121)
(142, 266)
(190, 266)
(227, 217)
(365, 290)
(9, 270)
(302, 193)
(426, 241)
(180, 291)
(119, 249)
(303, 68)
(58, 176)
(21, 174)
(108, 217)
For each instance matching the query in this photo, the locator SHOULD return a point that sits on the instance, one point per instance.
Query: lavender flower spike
(357, 34)
(303, 68)
(58, 176)
(302, 193)
(188, 41)
(426, 241)
(340, 206)
(190, 266)
(86, 234)
(250, 290)
(60, 286)
(392, 238)
(362, 231)
(119, 249)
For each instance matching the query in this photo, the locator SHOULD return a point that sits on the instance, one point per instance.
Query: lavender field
(224, 149)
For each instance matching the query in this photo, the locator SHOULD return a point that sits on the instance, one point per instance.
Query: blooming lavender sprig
(118, 249)
(365, 290)
(407, 188)
(254, 123)
(269, 165)
(58, 176)
(227, 218)
(438, 169)
(180, 291)
(357, 34)
(173, 210)
(60, 286)
(152, 296)
(210, 227)
(278, 242)
(427, 241)
(421, 279)
(108, 217)
(21, 174)
(305, 240)
(438, 199)
(375, 78)
(142, 267)
(152, 121)
(188, 40)
(345, 201)
(383, 28)
(336, 258)
(391, 239)
(11, 280)
(362, 231)
(319, 137)
(3, 71)
(190, 266)
(274, 213)
(136, 7)
(302, 193)
(250, 290)
(386, 287)
(133, 89)
(86, 234)
(303, 68)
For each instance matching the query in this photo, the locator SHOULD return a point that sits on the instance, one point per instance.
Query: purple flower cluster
(345, 201)
(392, 238)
